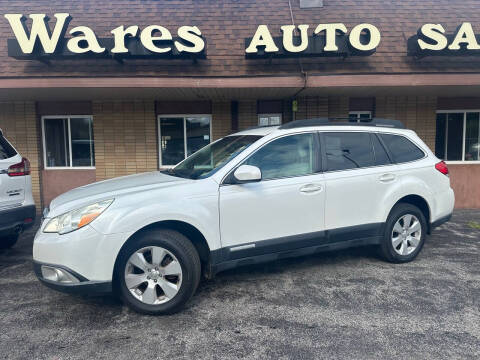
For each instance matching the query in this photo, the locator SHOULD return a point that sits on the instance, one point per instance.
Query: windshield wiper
(173, 172)
(170, 171)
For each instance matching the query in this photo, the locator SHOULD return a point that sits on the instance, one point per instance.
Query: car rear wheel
(158, 272)
(8, 241)
(405, 233)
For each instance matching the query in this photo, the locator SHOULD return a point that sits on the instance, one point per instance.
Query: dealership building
(94, 90)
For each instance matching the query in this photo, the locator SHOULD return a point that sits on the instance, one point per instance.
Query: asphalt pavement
(346, 304)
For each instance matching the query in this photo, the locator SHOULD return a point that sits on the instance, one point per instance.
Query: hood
(110, 188)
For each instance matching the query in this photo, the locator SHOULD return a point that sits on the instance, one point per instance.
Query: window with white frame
(359, 116)
(269, 119)
(68, 142)
(458, 135)
(182, 135)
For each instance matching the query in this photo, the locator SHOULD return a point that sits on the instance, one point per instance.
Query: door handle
(311, 188)
(385, 178)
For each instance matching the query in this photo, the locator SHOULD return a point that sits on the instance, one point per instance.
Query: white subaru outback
(17, 208)
(254, 196)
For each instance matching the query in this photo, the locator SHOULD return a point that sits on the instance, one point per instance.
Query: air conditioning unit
(307, 4)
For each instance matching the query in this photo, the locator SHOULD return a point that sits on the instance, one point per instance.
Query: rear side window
(401, 149)
(348, 150)
(6, 150)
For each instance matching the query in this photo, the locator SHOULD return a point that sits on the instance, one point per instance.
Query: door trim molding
(296, 245)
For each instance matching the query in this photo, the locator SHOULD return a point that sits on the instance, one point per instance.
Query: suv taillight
(20, 169)
(442, 167)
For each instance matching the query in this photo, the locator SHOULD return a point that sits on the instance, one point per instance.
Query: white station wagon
(257, 195)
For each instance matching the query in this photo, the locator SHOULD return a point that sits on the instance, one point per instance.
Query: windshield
(212, 157)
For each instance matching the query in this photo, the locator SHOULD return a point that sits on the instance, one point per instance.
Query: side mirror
(247, 173)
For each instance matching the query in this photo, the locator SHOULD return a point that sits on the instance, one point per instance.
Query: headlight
(76, 219)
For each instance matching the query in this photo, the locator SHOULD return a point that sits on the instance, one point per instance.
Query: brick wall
(416, 112)
(312, 107)
(125, 138)
(19, 123)
(338, 106)
(221, 119)
(247, 114)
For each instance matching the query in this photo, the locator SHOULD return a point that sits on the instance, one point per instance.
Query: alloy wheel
(406, 234)
(153, 275)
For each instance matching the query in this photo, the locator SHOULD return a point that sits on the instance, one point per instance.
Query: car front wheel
(405, 233)
(158, 272)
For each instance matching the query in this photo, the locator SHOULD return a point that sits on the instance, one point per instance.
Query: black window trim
(383, 145)
(316, 152)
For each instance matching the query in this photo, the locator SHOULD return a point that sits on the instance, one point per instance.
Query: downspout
(303, 73)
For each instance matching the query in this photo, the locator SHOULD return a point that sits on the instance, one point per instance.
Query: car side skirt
(296, 245)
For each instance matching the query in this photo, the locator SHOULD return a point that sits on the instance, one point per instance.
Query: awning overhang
(236, 88)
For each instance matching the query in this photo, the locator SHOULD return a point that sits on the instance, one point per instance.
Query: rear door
(12, 188)
(358, 176)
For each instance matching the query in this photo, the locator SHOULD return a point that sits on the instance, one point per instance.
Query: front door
(285, 210)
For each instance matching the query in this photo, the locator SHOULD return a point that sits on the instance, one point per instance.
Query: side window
(402, 149)
(285, 157)
(348, 150)
(381, 157)
(68, 141)
(181, 136)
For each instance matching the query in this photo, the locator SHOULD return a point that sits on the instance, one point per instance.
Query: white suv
(17, 208)
(254, 196)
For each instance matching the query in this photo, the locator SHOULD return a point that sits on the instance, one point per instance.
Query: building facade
(145, 83)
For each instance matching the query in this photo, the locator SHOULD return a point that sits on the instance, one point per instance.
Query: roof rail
(397, 124)
(259, 127)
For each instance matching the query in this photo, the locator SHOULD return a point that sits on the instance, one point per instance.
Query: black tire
(182, 248)
(387, 248)
(8, 241)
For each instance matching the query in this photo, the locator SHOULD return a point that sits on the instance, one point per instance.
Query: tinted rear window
(402, 149)
(6, 150)
(348, 150)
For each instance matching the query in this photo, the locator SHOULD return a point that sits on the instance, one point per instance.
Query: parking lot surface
(343, 304)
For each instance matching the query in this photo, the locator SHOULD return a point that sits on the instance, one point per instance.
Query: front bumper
(85, 251)
(18, 217)
(82, 287)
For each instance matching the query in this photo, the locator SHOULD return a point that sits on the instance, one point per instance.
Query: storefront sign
(328, 40)
(153, 41)
(431, 40)
(43, 43)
